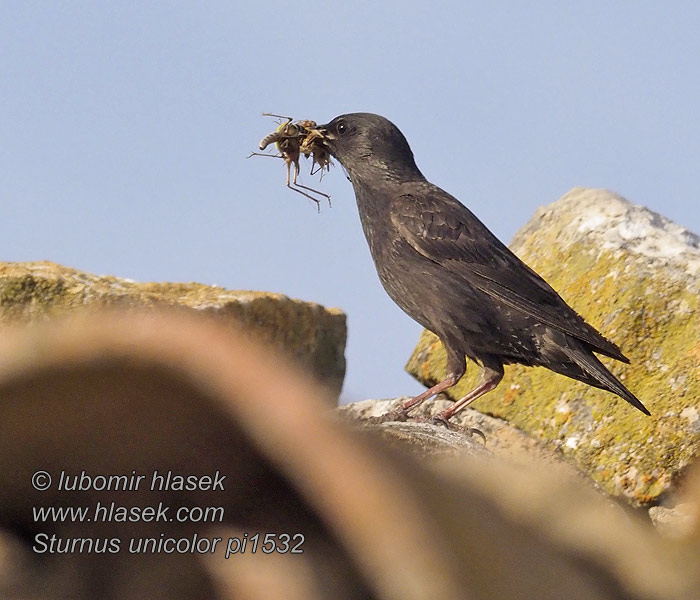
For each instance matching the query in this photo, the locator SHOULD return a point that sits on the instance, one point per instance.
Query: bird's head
(368, 145)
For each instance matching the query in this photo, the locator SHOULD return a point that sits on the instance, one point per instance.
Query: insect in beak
(324, 133)
(293, 140)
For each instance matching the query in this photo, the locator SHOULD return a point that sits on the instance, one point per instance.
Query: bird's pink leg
(446, 383)
(401, 413)
(490, 378)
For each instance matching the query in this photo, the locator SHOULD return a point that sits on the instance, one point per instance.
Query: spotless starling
(447, 271)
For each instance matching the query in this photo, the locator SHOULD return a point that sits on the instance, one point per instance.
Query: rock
(131, 393)
(502, 440)
(679, 516)
(310, 333)
(636, 277)
(112, 394)
(676, 522)
(421, 438)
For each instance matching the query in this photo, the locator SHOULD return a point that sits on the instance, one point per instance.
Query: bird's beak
(325, 133)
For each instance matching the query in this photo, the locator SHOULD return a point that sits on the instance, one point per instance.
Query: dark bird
(447, 271)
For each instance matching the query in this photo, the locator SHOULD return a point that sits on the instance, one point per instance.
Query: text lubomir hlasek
(157, 481)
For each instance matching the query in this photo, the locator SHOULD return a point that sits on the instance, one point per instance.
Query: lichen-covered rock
(636, 277)
(312, 334)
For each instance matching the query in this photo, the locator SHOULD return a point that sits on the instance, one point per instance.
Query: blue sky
(124, 129)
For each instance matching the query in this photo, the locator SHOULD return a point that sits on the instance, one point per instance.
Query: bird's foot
(393, 415)
(447, 424)
(440, 420)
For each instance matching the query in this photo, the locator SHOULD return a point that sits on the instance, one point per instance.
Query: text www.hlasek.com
(113, 512)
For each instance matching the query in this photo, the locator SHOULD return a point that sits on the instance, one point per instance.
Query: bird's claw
(393, 415)
(437, 420)
(473, 430)
(398, 415)
(440, 420)
(470, 431)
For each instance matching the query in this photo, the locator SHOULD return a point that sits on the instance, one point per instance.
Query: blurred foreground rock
(310, 333)
(132, 393)
(636, 277)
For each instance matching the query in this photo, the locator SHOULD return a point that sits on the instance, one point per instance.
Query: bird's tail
(596, 374)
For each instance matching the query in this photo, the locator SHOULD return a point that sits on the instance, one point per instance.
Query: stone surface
(679, 516)
(502, 441)
(636, 277)
(423, 439)
(312, 334)
(676, 522)
(134, 392)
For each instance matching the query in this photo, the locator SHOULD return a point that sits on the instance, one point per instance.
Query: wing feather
(444, 231)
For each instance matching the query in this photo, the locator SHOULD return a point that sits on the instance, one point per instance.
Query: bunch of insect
(294, 139)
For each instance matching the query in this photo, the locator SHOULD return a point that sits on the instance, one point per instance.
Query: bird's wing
(444, 231)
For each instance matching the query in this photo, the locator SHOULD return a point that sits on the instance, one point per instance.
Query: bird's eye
(342, 128)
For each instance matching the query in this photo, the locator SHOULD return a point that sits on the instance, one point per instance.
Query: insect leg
(291, 184)
(268, 155)
(289, 119)
(299, 185)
